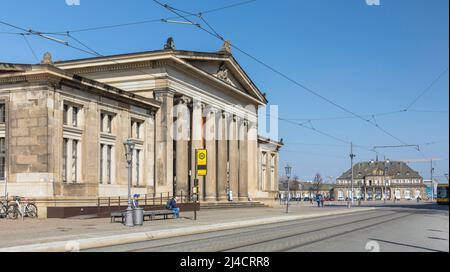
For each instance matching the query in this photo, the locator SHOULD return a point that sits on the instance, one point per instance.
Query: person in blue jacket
(172, 205)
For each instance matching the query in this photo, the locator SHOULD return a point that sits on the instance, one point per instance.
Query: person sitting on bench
(172, 205)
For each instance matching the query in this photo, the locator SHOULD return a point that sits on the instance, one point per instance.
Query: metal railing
(146, 199)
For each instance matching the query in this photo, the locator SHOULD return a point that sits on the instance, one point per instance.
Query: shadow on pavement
(404, 245)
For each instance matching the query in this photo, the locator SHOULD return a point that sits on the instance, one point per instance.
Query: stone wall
(27, 150)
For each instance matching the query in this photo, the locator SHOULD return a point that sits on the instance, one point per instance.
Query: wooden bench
(152, 214)
(149, 214)
(120, 215)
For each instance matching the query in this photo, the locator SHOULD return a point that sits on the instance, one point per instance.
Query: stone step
(231, 205)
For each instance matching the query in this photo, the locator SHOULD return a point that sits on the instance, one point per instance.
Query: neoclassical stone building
(373, 180)
(63, 124)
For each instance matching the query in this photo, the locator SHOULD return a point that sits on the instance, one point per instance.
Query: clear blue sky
(370, 59)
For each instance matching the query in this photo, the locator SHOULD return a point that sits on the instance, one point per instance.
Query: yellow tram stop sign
(202, 155)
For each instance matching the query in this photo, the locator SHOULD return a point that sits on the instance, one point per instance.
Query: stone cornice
(53, 76)
(122, 66)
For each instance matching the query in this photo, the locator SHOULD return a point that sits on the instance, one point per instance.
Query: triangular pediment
(219, 66)
(220, 70)
(226, 69)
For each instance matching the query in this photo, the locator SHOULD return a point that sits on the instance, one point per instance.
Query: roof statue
(226, 47)
(47, 58)
(170, 44)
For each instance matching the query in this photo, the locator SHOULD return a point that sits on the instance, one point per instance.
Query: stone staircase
(230, 205)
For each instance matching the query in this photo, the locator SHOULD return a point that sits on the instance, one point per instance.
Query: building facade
(63, 124)
(301, 190)
(379, 179)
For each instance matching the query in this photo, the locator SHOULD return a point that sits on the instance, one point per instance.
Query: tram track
(309, 240)
(269, 233)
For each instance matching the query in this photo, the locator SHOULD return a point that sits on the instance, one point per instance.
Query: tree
(317, 183)
(295, 184)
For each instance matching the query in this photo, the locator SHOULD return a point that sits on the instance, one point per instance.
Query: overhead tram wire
(436, 80)
(148, 21)
(292, 80)
(95, 53)
(91, 51)
(329, 135)
(221, 38)
(45, 36)
(280, 73)
(347, 117)
(31, 48)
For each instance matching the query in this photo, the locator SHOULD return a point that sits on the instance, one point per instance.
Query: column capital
(183, 100)
(198, 104)
(209, 109)
(161, 93)
(225, 114)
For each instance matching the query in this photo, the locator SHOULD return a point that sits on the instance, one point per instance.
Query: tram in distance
(442, 194)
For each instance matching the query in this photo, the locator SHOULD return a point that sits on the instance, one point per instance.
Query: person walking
(322, 200)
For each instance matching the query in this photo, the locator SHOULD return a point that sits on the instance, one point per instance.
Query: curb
(106, 241)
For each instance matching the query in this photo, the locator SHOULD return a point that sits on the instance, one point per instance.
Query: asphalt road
(415, 228)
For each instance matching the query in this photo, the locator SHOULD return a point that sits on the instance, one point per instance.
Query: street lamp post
(352, 156)
(288, 169)
(386, 162)
(129, 147)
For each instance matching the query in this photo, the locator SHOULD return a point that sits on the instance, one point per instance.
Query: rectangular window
(102, 118)
(138, 162)
(66, 114)
(136, 129)
(65, 147)
(109, 120)
(102, 146)
(71, 115)
(108, 163)
(74, 160)
(106, 122)
(2, 158)
(2, 113)
(75, 112)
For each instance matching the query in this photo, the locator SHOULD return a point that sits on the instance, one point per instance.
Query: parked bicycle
(24, 209)
(3, 207)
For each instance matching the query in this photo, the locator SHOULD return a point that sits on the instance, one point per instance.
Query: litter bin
(138, 216)
(230, 196)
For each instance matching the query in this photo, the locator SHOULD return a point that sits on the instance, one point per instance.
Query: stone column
(210, 138)
(197, 141)
(222, 156)
(182, 130)
(252, 160)
(243, 163)
(234, 157)
(275, 182)
(164, 141)
(268, 172)
(150, 172)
